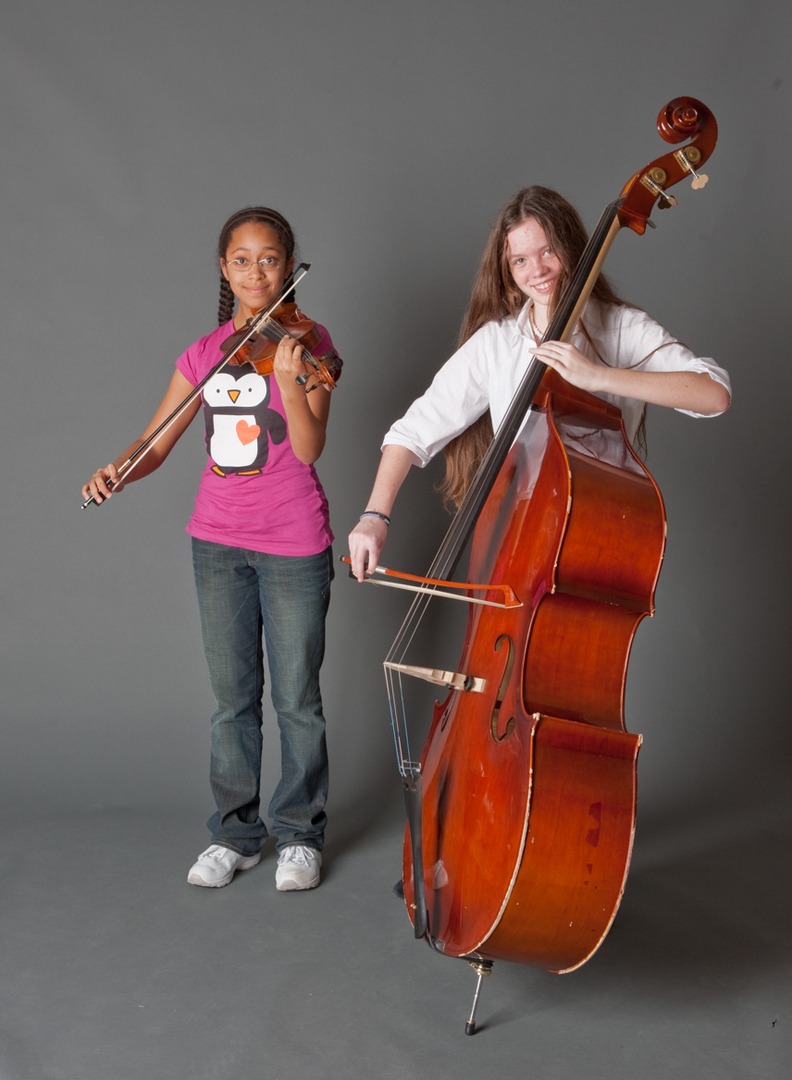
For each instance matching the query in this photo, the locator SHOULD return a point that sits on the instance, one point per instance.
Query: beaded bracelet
(376, 514)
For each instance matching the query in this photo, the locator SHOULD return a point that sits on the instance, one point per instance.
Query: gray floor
(113, 968)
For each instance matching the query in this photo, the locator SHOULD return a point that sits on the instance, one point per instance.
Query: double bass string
(575, 294)
(394, 682)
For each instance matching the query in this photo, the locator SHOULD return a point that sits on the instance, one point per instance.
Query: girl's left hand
(571, 364)
(288, 365)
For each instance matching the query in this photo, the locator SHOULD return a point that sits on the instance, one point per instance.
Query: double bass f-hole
(503, 640)
(503, 686)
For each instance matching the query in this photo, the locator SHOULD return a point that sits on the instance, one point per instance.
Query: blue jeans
(239, 593)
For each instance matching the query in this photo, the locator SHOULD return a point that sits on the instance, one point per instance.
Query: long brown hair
(496, 297)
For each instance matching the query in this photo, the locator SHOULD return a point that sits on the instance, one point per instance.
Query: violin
(254, 341)
(259, 347)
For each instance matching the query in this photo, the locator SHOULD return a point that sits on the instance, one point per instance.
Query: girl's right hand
(98, 488)
(366, 541)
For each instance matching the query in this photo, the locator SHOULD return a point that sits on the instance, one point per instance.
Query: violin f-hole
(504, 685)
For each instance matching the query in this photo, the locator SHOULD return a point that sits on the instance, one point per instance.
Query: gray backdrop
(390, 136)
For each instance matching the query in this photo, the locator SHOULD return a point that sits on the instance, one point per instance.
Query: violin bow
(252, 328)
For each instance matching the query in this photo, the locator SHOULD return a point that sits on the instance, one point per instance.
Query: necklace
(537, 333)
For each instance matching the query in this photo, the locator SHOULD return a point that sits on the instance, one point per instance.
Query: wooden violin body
(529, 785)
(258, 348)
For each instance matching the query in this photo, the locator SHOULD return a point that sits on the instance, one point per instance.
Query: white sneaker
(298, 868)
(216, 866)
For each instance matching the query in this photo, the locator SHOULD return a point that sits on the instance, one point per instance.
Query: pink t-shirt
(254, 493)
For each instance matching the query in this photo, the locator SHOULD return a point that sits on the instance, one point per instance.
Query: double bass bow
(521, 808)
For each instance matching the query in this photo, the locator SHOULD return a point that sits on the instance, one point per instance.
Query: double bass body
(520, 817)
(529, 780)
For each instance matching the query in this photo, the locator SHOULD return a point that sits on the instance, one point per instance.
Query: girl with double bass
(616, 352)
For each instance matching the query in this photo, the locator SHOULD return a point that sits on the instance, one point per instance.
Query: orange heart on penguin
(247, 433)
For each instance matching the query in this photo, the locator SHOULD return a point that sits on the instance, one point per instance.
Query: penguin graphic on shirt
(239, 423)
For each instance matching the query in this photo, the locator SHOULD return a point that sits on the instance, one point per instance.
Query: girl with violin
(616, 352)
(261, 554)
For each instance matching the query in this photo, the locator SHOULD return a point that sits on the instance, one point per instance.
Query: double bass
(521, 808)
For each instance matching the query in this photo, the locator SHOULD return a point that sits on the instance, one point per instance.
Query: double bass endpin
(482, 969)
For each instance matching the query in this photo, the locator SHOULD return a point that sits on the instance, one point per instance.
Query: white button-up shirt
(486, 372)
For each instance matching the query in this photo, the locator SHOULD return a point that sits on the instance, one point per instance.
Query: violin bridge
(454, 680)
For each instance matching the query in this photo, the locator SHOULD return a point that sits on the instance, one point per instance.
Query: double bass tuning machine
(656, 177)
(688, 158)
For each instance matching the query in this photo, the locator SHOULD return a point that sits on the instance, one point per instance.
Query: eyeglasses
(242, 265)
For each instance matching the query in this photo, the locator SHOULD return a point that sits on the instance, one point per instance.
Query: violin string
(144, 449)
(274, 330)
(137, 456)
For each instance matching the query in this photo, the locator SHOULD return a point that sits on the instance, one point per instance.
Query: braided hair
(261, 215)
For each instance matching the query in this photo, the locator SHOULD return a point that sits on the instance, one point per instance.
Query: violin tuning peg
(700, 180)
(665, 202)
